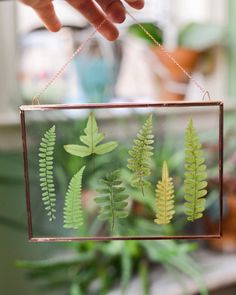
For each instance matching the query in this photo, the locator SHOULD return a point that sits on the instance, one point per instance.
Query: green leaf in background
(144, 277)
(46, 157)
(76, 290)
(141, 154)
(164, 198)
(126, 268)
(201, 37)
(73, 217)
(113, 200)
(195, 183)
(151, 28)
(91, 139)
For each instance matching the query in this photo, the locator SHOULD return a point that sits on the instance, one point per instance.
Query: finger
(95, 16)
(138, 4)
(114, 9)
(47, 14)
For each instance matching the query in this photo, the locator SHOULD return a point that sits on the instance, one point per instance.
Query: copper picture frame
(167, 104)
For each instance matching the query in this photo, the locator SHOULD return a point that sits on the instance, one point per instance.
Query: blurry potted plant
(195, 40)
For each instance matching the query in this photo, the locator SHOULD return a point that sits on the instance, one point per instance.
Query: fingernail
(139, 4)
(116, 12)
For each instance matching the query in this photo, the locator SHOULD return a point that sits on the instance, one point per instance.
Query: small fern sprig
(113, 200)
(46, 157)
(195, 184)
(140, 155)
(164, 198)
(73, 216)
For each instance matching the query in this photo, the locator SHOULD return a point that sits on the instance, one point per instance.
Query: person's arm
(93, 10)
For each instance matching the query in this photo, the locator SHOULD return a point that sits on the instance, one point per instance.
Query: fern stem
(195, 186)
(142, 190)
(92, 159)
(112, 211)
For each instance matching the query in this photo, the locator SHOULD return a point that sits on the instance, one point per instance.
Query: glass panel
(141, 200)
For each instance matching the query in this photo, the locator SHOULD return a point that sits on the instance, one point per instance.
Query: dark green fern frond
(73, 216)
(46, 152)
(141, 153)
(164, 198)
(195, 183)
(113, 200)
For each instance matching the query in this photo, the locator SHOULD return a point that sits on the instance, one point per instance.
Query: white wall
(8, 61)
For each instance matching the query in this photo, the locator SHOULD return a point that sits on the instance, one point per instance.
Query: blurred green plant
(96, 268)
(151, 28)
(196, 36)
(200, 36)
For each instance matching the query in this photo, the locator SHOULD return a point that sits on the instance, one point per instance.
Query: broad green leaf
(77, 150)
(105, 148)
(91, 139)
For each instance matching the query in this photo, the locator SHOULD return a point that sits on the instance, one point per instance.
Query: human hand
(93, 10)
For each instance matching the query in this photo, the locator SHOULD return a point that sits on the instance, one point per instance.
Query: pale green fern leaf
(46, 157)
(73, 215)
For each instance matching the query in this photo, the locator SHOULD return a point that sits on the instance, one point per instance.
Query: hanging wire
(36, 98)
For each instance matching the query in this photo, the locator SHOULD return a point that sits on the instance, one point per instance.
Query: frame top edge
(121, 105)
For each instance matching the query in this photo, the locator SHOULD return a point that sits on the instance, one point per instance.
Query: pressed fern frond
(164, 198)
(46, 152)
(73, 216)
(195, 184)
(113, 200)
(91, 141)
(141, 153)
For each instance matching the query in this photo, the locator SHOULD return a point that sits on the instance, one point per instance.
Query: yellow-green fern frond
(164, 198)
(195, 183)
